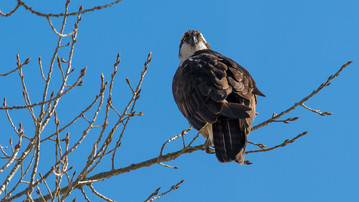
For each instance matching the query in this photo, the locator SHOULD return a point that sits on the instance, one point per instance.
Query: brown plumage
(217, 96)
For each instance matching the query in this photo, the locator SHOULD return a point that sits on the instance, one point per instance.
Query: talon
(209, 144)
(209, 150)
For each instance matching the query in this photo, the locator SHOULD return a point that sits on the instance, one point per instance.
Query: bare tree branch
(153, 196)
(66, 14)
(164, 158)
(84, 194)
(57, 33)
(108, 174)
(23, 161)
(327, 83)
(11, 12)
(262, 146)
(99, 195)
(316, 111)
(280, 145)
(184, 132)
(18, 67)
(15, 152)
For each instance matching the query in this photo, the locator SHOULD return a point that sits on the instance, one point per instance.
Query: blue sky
(289, 47)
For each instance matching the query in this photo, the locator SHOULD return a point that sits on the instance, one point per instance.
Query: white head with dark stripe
(191, 41)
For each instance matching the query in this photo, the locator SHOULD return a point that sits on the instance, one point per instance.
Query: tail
(229, 139)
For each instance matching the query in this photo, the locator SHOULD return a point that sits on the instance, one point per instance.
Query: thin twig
(102, 90)
(153, 194)
(10, 119)
(16, 167)
(11, 12)
(95, 156)
(168, 166)
(41, 69)
(66, 14)
(67, 72)
(54, 56)
(18, 67)
(25, 92)
(108, 174)
(184, 132)
(262, 146)
(40, 103)
(15, 152)
(108, 105)
(84, 194)
(280, 145)
(22, 175)
(85, 133)
(316, 111)
(47, 186)
(99, 194)
(57, 33)
(133, 101)
(286, 120)
(174, 187)
(327, 83)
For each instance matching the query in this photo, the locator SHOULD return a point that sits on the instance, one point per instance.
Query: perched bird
(216, 95)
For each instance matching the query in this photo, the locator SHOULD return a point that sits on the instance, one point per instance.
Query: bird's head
(191, 41)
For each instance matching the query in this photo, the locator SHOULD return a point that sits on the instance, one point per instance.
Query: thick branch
(105, 175)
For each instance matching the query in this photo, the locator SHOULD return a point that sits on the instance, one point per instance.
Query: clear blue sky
(289, 47)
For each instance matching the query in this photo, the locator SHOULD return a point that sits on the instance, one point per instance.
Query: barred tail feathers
(229, 140)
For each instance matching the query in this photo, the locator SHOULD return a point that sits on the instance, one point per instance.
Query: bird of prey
(216, 95)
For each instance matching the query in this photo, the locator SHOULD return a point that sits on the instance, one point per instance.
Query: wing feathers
(236, 74)
(211, 88)
(204, 89)
(235, 111)
(257, 92)
(214, 107)
(237, 86)
(218, 95)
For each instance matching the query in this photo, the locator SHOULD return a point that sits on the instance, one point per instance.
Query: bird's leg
(206, 131)
(209, 144)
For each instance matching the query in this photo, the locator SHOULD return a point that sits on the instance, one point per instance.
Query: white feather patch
(187, 50)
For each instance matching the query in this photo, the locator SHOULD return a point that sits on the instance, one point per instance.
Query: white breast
(187, 50)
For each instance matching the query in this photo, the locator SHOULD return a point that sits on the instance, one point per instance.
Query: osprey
(216, 95)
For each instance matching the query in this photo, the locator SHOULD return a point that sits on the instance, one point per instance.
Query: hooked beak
(193, 40)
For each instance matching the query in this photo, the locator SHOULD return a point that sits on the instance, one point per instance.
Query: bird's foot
(209, 149)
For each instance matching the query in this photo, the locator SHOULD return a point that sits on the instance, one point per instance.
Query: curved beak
(193, 40)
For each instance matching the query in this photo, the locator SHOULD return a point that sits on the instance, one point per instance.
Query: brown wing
(204, 85)
(211, 88)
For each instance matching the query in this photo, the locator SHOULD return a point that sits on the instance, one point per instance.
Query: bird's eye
(185, 38)
(199, 37)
